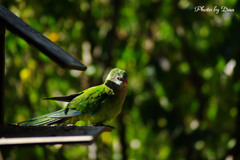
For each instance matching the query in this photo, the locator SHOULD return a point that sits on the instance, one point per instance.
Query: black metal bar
(27, 135)
(22, 29)
(2, 68)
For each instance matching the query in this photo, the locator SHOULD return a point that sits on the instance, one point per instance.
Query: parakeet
(94, 105)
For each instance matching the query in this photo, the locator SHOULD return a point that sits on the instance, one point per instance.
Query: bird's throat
(114, 86)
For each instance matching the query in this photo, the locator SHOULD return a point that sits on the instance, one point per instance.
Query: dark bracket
(22, 135)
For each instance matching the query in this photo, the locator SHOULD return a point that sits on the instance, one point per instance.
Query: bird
(94, 106)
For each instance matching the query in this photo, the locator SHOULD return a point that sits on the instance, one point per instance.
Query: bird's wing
(66, 113)
(64, 98)
(90, 101)
(86, 102)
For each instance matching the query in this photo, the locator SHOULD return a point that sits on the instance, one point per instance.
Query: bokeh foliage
(184, 71)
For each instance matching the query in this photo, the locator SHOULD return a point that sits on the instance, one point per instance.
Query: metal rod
(2, 68)
(42, 43)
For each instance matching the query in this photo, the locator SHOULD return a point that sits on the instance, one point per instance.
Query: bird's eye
(118, 78)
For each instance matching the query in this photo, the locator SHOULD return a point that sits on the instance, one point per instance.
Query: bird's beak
(125, 81)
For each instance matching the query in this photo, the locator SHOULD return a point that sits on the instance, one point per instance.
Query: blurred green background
(183, 66)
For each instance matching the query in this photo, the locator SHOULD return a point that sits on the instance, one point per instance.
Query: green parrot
(94, 105)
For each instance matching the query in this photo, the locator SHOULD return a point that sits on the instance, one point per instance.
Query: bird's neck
(115, 87)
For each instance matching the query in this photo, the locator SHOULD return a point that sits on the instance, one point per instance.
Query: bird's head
(118, 76)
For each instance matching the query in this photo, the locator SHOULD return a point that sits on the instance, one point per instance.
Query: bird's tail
(46, 119)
